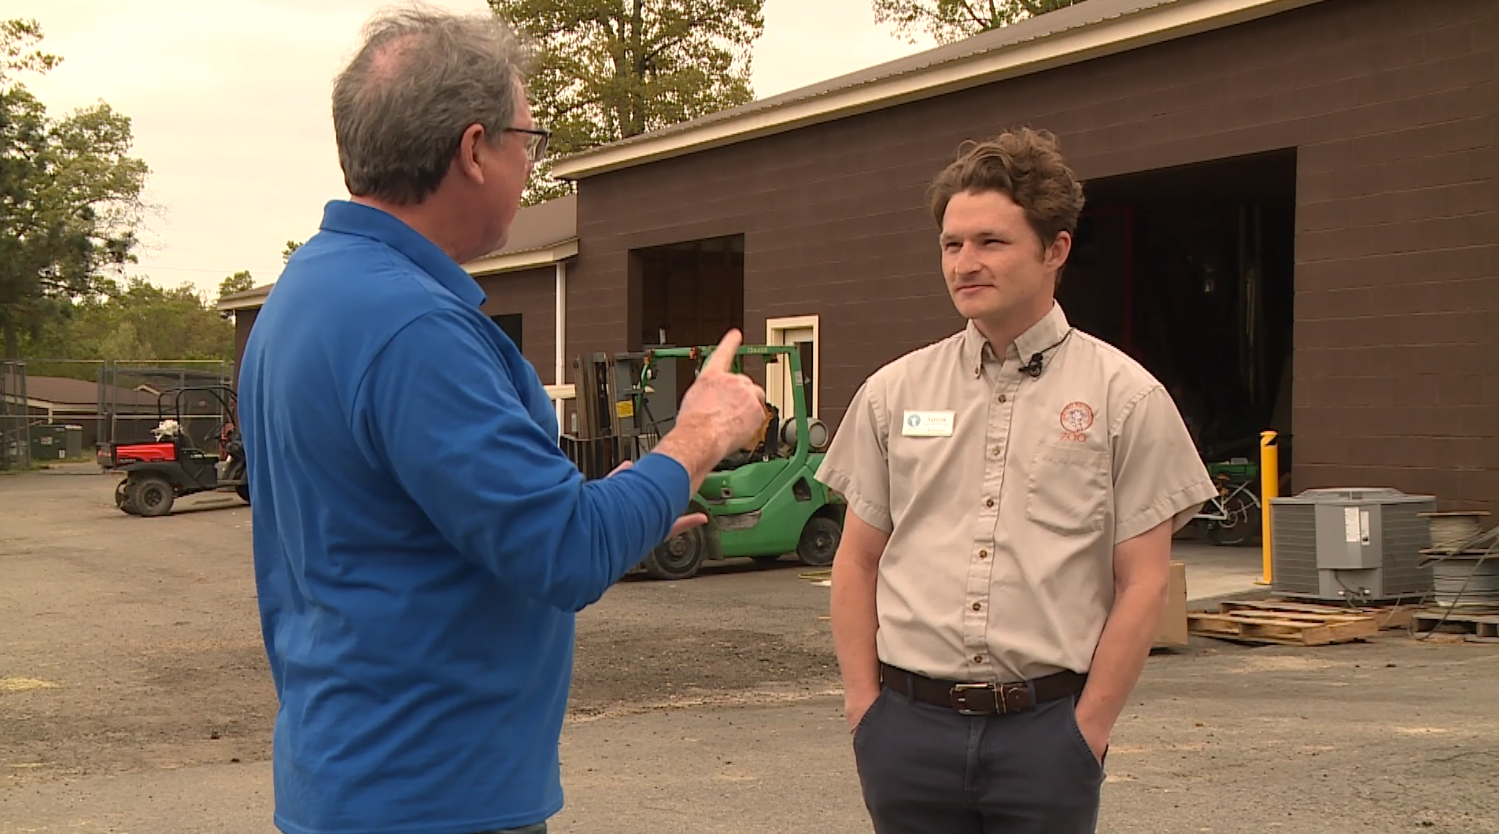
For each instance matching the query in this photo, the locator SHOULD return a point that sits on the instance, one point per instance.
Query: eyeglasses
(536, 141)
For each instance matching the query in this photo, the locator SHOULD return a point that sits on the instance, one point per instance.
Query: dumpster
(48, 443)
(73, 441)
(56, 441)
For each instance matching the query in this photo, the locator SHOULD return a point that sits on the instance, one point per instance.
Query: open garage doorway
(1191, 271)
(686, 294)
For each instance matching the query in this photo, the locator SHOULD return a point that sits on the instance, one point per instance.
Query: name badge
(927, 424)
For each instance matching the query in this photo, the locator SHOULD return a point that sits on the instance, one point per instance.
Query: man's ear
(1057, 252)
(471, 148)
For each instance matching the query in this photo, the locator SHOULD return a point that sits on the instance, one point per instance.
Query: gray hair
(419, 80)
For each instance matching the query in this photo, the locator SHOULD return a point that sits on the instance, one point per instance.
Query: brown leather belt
(983, 698)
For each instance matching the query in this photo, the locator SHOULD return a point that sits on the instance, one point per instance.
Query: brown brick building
(1293, 220)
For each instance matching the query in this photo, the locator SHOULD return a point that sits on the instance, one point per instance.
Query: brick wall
(530, 293)
(1391, 105)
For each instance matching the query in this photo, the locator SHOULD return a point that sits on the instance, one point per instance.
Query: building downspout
(560, 338)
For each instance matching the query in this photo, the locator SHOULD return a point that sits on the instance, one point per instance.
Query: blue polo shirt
(421, 542)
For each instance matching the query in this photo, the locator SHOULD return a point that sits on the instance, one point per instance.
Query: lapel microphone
(1037, 364)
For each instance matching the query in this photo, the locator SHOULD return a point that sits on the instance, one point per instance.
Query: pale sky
(229, 106)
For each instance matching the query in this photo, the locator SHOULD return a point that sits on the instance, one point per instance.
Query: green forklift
(763, 503)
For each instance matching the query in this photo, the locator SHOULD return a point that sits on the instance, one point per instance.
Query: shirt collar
(1041, 337)
(353, 218)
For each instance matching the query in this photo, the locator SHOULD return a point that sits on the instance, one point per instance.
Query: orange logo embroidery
(1077, 418)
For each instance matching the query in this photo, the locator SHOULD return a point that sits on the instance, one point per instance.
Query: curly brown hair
(1025, 164)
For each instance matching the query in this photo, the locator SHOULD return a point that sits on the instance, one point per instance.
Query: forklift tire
(679, 557)
(819, 542)
(151, 497)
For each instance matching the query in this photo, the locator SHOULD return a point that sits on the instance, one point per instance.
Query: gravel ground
(135, 699)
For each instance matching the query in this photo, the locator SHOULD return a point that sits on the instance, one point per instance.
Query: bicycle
(1233, 515)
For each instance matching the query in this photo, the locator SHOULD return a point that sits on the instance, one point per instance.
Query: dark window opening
(511, 324)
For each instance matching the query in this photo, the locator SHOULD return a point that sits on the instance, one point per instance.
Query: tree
(291, 246)
(238, 282)
(136, 320)
(70, 195)
(611, 69)
(16, 36)
(953, 20)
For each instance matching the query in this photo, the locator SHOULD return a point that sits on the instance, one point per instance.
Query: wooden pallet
(1281, 625)
(1476, 628)
(1386, 617)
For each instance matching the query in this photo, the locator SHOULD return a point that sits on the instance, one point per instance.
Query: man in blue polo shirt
(421, 543)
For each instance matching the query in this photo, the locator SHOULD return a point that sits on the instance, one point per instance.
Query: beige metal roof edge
(254, 299)
(528, 259)
(246, 300)
(1106, 36)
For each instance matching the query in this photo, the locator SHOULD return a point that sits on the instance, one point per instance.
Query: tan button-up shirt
(1004, 494)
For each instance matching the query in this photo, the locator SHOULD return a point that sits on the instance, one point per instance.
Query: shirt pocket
(1068, 488)
(916, 465)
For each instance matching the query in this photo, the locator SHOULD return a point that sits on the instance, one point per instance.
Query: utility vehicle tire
(122, 496)
(679, 557)
(243, 491)
(151, 496)
(819, 542)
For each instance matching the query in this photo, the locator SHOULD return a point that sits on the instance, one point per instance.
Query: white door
(800, 331)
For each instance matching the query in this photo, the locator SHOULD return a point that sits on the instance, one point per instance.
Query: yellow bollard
(1269, 488)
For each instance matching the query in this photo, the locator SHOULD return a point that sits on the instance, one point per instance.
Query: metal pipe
(559, 333)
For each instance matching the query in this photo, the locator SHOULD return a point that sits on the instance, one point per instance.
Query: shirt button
(977, 606)
(1003, 398)
(983, 554)
(996, 451)
(988, 502)
(978, 658)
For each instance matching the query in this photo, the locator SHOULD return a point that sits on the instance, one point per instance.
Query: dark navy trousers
(927, 769)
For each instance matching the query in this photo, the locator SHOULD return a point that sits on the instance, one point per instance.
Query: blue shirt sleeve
(439, 410)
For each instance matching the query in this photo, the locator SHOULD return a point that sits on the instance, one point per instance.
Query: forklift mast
(626, 401)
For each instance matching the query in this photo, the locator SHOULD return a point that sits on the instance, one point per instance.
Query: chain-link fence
(134, 397)
(92, 403)
(15, 416)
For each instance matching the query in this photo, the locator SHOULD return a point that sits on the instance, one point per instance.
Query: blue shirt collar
(352, 218)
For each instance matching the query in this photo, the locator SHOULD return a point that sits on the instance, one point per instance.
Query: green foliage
(70, 195)
(953, 20)
(238, 282)
(136, 321)
(611, 69)
(291, 246)
(16, 38)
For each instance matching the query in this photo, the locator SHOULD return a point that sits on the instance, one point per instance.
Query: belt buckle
(959, 697)
(1000, 693)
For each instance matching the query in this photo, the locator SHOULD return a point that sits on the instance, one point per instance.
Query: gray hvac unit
(1353, 544)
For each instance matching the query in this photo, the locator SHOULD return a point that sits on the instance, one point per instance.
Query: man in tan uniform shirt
(1012, 490)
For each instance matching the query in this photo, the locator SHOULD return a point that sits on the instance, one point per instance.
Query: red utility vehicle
(171, 466)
